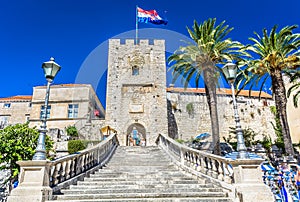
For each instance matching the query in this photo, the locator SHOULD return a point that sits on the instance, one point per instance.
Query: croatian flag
(150, 16)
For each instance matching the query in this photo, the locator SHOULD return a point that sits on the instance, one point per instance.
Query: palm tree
(203, 59)
(278, 53)
(295, 81)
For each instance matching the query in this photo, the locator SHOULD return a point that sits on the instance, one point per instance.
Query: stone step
(132, 191)
(138, 186)
(142, 174)
(140, 164)
(109, 173)
(139, 176)
(161, 199)
(141, 169)
(158, 194)
(146, 181)
(170, 182)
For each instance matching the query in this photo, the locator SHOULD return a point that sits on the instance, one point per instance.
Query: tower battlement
(142, 42)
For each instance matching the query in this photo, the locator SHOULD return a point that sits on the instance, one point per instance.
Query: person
(297, 181)
(280, 184)
(135, 136)
(143, 142)
(284, 166)
(131, 141)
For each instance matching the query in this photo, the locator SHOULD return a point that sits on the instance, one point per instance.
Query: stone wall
(60, 98)
(18, 112)
(293, 114)
(254, 114)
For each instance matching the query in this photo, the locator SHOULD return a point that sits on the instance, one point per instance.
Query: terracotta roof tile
(220, 91)
(17, 98)
(64, 85)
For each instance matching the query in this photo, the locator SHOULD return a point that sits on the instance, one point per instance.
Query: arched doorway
(136, 135)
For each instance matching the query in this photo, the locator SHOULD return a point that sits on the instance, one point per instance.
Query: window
(27, 116)
(42, 115)
(73, 111)
(135, 70)
(6, 105)
(4, 121)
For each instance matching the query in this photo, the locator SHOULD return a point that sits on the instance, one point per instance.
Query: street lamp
(230, 71)
(50, 68)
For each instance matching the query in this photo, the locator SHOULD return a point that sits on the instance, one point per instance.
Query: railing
(241, 177)
(216, 167)
(200, 163)
(73, 166)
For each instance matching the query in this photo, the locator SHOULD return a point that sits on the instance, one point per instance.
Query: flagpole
(136, 25)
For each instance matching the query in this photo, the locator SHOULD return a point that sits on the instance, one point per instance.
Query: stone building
(14, 110)
(293, 114)
(69, 104)
(189, 113)
(136, 89)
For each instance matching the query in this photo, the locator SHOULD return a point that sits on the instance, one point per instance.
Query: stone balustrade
(65, 168)
(241, 177)
(39, 179)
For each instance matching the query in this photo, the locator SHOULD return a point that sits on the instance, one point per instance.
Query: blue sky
(34, 30)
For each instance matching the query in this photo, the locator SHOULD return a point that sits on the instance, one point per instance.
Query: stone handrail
(211, 165)
(38, 180)
(242, 177)
(63, 169)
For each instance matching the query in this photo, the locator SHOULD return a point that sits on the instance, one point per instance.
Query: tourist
(297, 181)
(143, 142)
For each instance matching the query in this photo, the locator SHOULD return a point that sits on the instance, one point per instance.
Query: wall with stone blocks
(253, 114)
(136, 98)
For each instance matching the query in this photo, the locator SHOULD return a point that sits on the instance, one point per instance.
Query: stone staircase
(142, 174)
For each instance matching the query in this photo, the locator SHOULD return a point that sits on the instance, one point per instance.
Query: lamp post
(230, 71)
(50, 68)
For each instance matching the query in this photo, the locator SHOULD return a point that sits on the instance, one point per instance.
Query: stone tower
(136, 90)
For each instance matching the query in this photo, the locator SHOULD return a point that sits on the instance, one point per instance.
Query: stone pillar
(33, 182)
(249, 186)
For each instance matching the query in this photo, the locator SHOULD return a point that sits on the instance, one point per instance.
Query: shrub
(72, 131)
(18, 142)
(75, 146)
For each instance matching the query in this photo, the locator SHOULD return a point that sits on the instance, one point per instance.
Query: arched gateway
(136, 135)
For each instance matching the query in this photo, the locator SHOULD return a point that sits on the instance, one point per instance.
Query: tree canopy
(18, 142)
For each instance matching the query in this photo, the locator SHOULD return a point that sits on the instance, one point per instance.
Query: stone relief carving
(136, 59)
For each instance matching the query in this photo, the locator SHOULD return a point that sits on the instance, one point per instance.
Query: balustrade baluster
(63, 172)
(68, 165)
(227, 173)
(51, 175)
(198, 163)
(209, 167)
(202, 164)
(220, 169)
(195, 158)
(56, 174)
(186, 158)
(78, 164)
(73, 167)
(215, 165)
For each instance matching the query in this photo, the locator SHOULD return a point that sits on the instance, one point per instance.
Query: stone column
(33, 182)
(248, 183)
